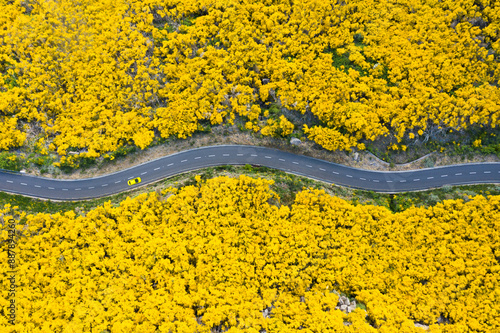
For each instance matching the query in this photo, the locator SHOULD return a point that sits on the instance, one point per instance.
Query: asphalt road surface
(388, 182)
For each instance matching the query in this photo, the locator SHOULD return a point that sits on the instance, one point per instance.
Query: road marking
(402, 181)
(64, 189)
(211, 155)
(282, 160)
(267, 156)
(225, 154)
(362, 178)
(168, 165)
(487, 172)
(104, 185)
(416, 179)
(24, 184)
(253, 155)
(309, 166)
(181, 162)
(196, 158)
(295, 162)
(51, 188)
(145, 172)
(472, 172)
(156, 169)
(37, 186)
(9, 181)
(335, 172)
(389, 181)
(322, 169)
(89, 187)
(430, 177)
(458, 174)
(444, 175)
(130, 177)
(349, 176)
(239, 154)
(376, 180)
(118, 182)
(77, 189)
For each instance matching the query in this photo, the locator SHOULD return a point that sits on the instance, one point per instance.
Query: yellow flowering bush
(224, 254)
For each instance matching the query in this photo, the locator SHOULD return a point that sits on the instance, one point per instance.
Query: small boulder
(295, 141)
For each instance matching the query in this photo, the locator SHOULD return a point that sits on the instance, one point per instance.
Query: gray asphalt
(388, 182)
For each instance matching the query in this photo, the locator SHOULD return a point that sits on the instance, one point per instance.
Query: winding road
(378, 181)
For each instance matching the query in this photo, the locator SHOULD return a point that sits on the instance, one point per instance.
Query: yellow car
(134, 181)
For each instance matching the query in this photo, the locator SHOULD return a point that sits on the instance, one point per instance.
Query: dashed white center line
(322, 169)
(89, 187)
(197, 157)
(9, 181)
(77, 189)
(416, 179)
(211, 155)
(444, 175)
(282, 160)
(170, 164)
(37, 186)
(487, 172)
(295, 162)
(349, 176)
(376, 180)
(64, 189)
(156, 169)
(430, 177)
(267, 156)
(335, 172)
(24, 184)
(472, 173)
(104, 185)
(362, 178)
(119, 181)
(143, 173)
(130, 177)
(184, 161)
(389, 181)
(225, 154)
(50, 188)
(239, 154)
(309, 166)
(458, 174)
(402, 181)
(253, 155)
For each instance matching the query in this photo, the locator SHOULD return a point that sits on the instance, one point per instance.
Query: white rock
(295, 141)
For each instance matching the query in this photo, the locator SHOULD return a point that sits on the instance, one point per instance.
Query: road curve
(378, 181)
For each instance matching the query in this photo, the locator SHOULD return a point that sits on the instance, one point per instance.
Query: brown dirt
(223, 134)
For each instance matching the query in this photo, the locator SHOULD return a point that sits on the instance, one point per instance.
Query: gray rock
(376, 65)
(356, 156)
(418, 325)
(343, 308)
(295, 141)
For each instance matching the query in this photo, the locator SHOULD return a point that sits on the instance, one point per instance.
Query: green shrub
(10, 161)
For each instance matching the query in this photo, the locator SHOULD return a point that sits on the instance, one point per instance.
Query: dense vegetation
(215, 254)
(91, 76)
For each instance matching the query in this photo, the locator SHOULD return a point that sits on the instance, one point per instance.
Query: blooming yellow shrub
(98, 74)
(219, 253)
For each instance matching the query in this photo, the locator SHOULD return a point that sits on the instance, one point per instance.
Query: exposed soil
(224, 134)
